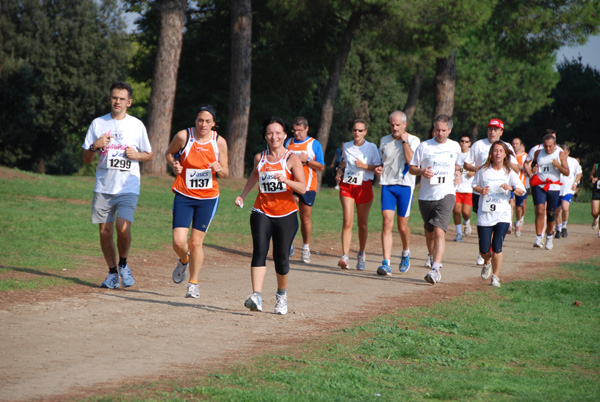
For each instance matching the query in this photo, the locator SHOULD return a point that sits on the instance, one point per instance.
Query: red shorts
(464, 198)
(361, 194)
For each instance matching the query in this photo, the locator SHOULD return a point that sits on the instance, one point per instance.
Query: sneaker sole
(342, 264)
(252, 306)
(191, 296)
(404, 270)
(383, 272)
(179, 276)
(430, 279)
(108, 287)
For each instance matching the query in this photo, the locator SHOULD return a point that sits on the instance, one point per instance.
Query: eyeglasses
(464, 142)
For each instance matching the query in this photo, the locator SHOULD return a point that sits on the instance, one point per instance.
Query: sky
(590, 52)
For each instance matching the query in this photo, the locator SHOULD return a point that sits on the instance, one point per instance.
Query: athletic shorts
(492, 236)
(567, 197)
(307, 198)
(550, 198)
(437, 213)
(362, 194)
(475, 202)
(595, 194)
(397, 197)
(464, 198)
(198, 213)
(106, 206)
(519, 199)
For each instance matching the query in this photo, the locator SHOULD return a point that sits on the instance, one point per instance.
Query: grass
(523, 342)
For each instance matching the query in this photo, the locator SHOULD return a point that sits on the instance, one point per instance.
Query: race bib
(353, 175)
(545, 168)
(496, 201)
(269, 184)
(117, 160)
(198, 178)
(442, 169)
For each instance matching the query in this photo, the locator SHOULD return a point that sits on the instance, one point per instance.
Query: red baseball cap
(496, 123)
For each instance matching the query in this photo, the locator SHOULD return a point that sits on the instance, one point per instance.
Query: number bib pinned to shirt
(116, 159)
(442, 169)
(198, 179)
(496, 201)
(269, 184)
(353, 175)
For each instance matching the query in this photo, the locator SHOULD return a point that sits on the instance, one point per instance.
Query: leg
(180, 242)
(123, 237)
(456, 212)
(429, 239)
(107, 243)
(466, 212)
(257, 276)
(540, 217)
(595, 209)
(565, 211)
(439, 241)
(306, 222)
(404, 232)
(496, 263)
(348, 214)
(386, 233)
(196, 254)
(362, 215)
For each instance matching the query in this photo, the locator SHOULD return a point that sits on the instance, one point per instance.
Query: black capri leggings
(282, 230)
(492, 235)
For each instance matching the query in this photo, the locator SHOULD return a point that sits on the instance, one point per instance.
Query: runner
(360, 159)
(495, 181)
(121, 142)
(567, 189)
(464, 192)
(337, 159)
(520, 200)
(595, 179)
(279, 173)
(311, 155)
(397, 187)
(436, 160)
(198, 156)
(549, 162)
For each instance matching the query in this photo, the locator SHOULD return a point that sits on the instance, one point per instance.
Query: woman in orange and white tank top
(279, 173)
(197, 155)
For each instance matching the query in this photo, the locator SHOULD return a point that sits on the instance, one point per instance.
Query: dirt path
(86, 340)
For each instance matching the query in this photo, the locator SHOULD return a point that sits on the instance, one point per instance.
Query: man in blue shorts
(397, 187)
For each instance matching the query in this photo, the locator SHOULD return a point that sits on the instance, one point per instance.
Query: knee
(550, 216)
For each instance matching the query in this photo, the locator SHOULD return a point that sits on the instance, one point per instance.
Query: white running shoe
(434, 276)
(537, 243)
(281, 304)
(510, 229)
(467, 229)
(595, 224)
(486, 270)
(480, 260)
(344, 261)
(253, 302)
(429, 261)
(306, 255)
(495, 281)
(518, 228)
(549, 245)
(192, 290)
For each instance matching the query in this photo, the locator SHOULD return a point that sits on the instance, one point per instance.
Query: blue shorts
(198, 213)
(567, 197)
(492, 236)
(397, 197)
(307, 198)
(520, 198)
(550, 198)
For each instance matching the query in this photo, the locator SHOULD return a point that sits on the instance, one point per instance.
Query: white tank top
(548, 171)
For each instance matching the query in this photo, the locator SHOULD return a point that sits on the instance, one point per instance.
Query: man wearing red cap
(478, 154)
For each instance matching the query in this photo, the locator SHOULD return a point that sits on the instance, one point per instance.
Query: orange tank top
(198, 180)
(274, 199)
(521, 160)
(309, 173)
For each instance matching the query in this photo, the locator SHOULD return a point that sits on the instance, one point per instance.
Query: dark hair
(205, 107)
(300, 121)
(549, 131)
(549, 137)
(505, 162)
(274, 119)
(444, 118)
(361, 121)
(460, 137)
(122, 85)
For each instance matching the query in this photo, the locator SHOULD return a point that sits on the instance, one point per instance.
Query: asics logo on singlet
(267, 176)
(117, 153)
(199, 174)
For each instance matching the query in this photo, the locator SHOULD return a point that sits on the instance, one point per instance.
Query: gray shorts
(106, 206)
(437, 213)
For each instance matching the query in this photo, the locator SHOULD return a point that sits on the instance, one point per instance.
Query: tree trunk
(164, 81)
(413, 93)
(444, 84)
(239, 85)
(475, 132)
(333, 82)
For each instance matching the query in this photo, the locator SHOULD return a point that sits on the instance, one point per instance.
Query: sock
(361, 255)
(305, 247)
(467, 222)
(549, 236)
(186, 260)
(280, 291)
(113, 270)
(435, 265)
(537, 236)
(564, 225)
(458, 229)
(194, 281)
(405, 253)
(122, 261)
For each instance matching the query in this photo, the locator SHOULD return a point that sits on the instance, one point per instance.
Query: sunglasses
(465, 142)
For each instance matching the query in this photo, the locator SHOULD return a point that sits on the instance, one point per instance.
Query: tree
(59, 59)
(171, 15)
(239, 87)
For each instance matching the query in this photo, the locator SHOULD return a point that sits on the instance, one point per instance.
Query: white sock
(405, 253)
(435, 265)
(305, 247)
(564, 225)
(467, 222)
(458, 229)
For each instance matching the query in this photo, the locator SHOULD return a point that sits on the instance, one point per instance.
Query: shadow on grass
(72, 279)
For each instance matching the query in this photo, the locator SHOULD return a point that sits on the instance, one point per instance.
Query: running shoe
(557, 234)
(384, 269)
(253, 302)
(344, 262)
(429, 261)
(495, 281)
(292, 252)
(306, 255)
(467, 229)
(518, 228)
(538, 242)
(405, 263)
(360, 264)
(595, 224)
(192, 290)
(458, 238)
(180, 271)
(433, 276)
(510, 229)
(564, 232)
(111, 281)
(549, 245)
(486, 270)
(480, 260)
(280, 304)
(126, 278)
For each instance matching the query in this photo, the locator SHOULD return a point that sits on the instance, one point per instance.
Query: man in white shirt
(567, 189)
(436, 161)
(121, 142)
(397, 189)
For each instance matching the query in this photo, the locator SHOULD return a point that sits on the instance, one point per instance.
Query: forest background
(330, 61)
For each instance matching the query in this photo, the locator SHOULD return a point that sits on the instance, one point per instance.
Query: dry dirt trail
(82, 340)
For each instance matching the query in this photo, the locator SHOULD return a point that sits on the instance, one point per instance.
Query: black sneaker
(557, 235)
(564, 232)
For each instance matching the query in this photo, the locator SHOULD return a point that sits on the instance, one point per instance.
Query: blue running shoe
(384, 269)
(126, 278)
(111, 281)
(405, 263)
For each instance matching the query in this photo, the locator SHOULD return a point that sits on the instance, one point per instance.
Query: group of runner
(454, 177)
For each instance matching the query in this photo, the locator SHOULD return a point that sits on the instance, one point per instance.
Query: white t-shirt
(465, 181)
(480, 151)
(366, 153)
(495, 206)
(567, 181)
(395, 165)
(443, 160)
(115, 173)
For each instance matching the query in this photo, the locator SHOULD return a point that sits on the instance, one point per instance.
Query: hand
(103, 141)
(303, 157)
(486, 190)
(506, 187)
(131, 153)
(216, 166)
(239, 201)
(594, 180)
(280, 178)
(428, 174)
(457, 179)
(177, 168)
(378, 170)
(360, 164)
(556, 163)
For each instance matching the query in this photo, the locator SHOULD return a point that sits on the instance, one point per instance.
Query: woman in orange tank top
(279, 173)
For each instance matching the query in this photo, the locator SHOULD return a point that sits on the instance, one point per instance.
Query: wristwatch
(92, 148)
(404, 142)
